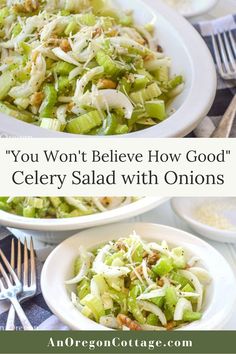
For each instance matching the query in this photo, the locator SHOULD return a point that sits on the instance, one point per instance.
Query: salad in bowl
(82, 67)
(132, 284)
(61, 207)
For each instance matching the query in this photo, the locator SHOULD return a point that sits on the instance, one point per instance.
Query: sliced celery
(140, 83)
(190, 316)
(163, 266)
(49, 123)
(29, 212)
(10, 110)
(88, 19)
(171, 299)
(156, 109)
(83, 289)
(95, 305)
(148, 93)
(63, 68)
(84, 123)
(152, 319)
(49, 102)
(6, 82)
(110, 67)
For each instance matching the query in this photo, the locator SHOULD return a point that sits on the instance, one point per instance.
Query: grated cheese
(212, 214)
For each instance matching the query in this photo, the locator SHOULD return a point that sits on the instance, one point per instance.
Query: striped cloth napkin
(225, 89)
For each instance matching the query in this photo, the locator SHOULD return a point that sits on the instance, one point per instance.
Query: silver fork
(11, 289)
(28, 289)
(224, 46)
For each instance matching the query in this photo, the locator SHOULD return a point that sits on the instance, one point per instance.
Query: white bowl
(191, 58)
(56, 230)
(198, 7)
(185, 208)
(220, 295)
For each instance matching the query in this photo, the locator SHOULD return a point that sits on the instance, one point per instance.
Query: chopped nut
(97, 32)
(106, 83)
(149, 57)
(26, 7)
(160, 282)
(153, 258)
(65, 45)
(112, 33)
(70, 106)
(138, 270)
(170, 325)
(120, 245)
(124, 320)
(36, 99)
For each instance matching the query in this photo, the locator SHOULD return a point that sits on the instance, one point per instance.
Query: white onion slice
(147, 306)
(198, 287)
(108, 98)
(181, 306)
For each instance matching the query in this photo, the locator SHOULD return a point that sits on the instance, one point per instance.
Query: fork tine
(8, 266)
(19, 259)
(5, 276)
(229, 51)
(233, 42)
(26, 264)
(32, 263)
(223, 53)
(13, 253)
(217, 54)
(1, 286)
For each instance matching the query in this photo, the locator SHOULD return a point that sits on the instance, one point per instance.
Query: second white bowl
(220, 295)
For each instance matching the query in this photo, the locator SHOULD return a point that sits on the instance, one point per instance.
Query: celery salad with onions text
(82, 67)
(61, 207)
(136, 285)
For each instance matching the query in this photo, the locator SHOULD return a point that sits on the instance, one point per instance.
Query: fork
(11, 289)
(28, 290)
(224, 46)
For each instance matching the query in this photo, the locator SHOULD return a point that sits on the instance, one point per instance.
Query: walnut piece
(124, 320)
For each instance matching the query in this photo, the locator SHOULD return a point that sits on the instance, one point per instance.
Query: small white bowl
(190, 57)
(56, 230)
(220, 294)
(198, 7)
(185, 208)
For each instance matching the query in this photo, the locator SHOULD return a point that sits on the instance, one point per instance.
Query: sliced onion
(65, 56)
(198, 287)
(202, 274)
(147, 306)
(182, 305)
(108, 98)
(85, 257)
(76, 203)
(109, 321)
(145, 273)
(82, 83)
(152, 294)
(99, 267)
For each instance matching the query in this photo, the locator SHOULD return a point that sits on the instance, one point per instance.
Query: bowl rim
(199, 12)
(220, 317)
(135, 208)
(186, 118)
(198, 225)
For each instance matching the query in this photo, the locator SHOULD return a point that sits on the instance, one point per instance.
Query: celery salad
(61, 207)
(135, 285)
(82, 67)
